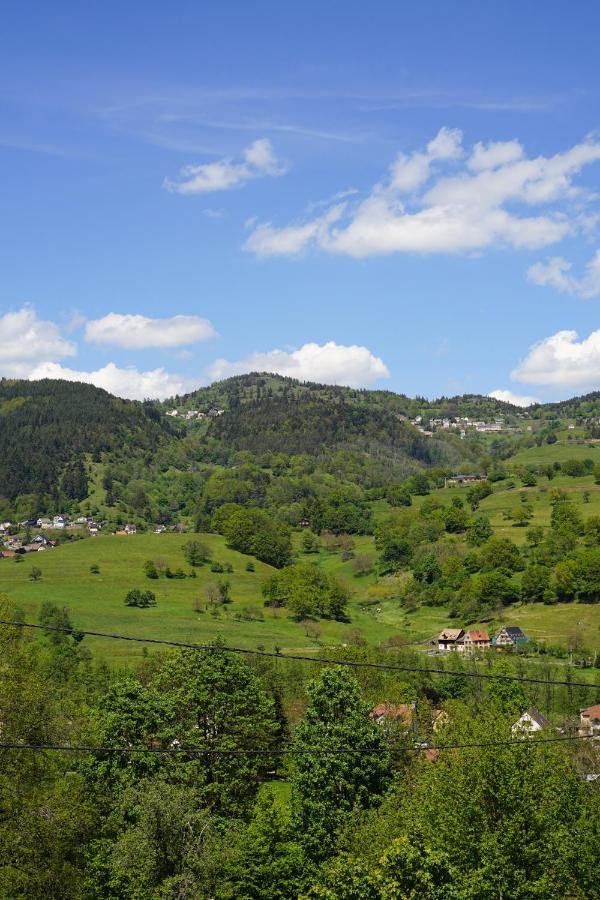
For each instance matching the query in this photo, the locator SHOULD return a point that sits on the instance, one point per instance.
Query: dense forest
(228, 777)
(46, 426)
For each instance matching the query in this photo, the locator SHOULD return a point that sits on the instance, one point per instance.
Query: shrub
(150, 570)
(141, 599)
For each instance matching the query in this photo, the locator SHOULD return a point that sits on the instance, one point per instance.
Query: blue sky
(377, 195)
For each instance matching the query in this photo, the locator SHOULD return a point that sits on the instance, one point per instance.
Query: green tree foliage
(254, 532)
(196, 552)
(327, 788)
(307, 590)
(141, 599)
(480, 531)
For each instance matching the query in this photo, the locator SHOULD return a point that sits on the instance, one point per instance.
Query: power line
(359, 664)
(289, 751)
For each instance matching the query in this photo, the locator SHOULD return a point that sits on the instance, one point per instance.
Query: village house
(59, 522)
(462, 479)
(531, 721)
(160, 529)
(509, 636)
(448, 639)
(474, 640)
(130, 528)
(43, 522)
(589, 721)
(402, 713)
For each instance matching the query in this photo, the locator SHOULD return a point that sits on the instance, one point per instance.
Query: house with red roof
(589, 721)
(475, 640)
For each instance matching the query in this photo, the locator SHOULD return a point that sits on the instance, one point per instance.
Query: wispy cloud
(258, 160)
(556, 273)
(446, 198)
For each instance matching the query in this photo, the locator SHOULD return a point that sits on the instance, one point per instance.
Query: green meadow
(96, 601)
(182, 613)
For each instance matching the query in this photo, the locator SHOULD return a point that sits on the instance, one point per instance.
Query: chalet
(60, 522)
(474, 640)
(449, 639)
(160, 529)
(44, 522)
(509, 636)
(531, 721)
(589, 721)
(462, 479)
(130, 528)
(40, 539)
(93, 528)
(214, 411)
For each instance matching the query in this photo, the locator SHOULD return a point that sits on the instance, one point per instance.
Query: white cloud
(409, 172)
(268, 241)
(136, 332)
(515, 399)
(494, 154)
(258, 160)
(328, 363)
(469, 206)
(562, 361)
(123, 382)
(555, 273)
(26, 340)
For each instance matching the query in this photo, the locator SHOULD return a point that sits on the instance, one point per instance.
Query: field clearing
(559, 452)
(96, 602)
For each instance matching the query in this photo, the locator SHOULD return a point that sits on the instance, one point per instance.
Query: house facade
(531, 721)
(474, 641)
(449, 639)
(509, 636)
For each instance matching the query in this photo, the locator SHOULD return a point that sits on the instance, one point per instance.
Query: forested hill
(46, 426)
(261, 387)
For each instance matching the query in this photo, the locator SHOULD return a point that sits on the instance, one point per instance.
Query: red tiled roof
(592, 712)
(478, 635)
(393, 711)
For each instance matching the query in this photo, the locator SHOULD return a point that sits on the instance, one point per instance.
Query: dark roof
(514, 631)
(537, 716)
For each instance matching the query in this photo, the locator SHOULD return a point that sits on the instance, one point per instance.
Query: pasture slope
(182, 613)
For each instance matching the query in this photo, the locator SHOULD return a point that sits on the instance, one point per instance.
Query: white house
(530, 722)
(449, 639)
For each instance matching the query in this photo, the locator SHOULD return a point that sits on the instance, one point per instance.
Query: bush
(141, 599)
(196, 553)
(150, 570)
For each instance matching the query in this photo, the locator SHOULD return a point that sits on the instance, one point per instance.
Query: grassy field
(96, 602)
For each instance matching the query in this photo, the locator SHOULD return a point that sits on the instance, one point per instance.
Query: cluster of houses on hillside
(477, 640)
(13, 541)
(460, 424)
(405, 716)
(188, 414)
